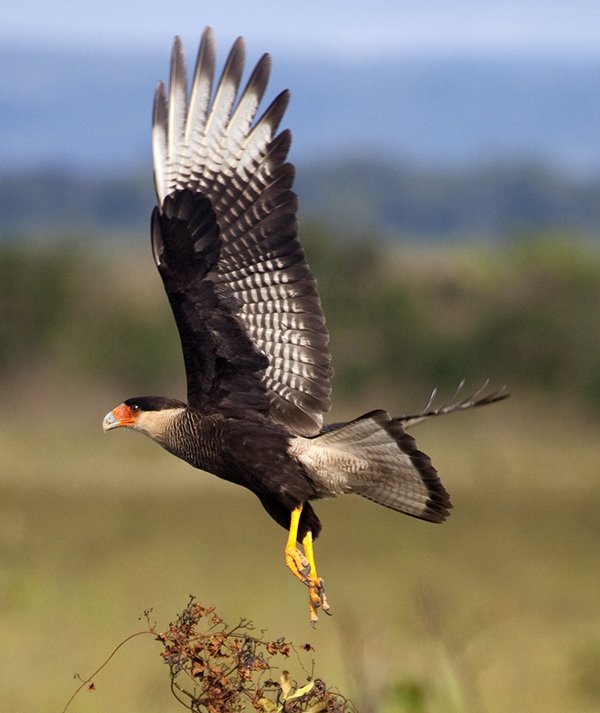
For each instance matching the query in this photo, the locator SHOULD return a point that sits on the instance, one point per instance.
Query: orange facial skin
(124, 415)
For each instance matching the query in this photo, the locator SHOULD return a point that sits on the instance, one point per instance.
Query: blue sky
(37, 103)
(336, 27)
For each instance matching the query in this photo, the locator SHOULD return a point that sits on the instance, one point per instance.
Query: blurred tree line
(402, 319)
(489, 201)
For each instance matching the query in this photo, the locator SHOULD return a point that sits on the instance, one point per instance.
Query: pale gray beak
(110, 422)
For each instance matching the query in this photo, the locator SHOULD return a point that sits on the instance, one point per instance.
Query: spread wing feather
(225, 242)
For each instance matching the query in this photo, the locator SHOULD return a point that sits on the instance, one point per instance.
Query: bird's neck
(162, 426)
(188, 435)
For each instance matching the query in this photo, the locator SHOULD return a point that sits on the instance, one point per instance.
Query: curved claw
(317, 600)
(298, 564)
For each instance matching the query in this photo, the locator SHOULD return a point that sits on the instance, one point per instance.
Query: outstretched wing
(225, 243)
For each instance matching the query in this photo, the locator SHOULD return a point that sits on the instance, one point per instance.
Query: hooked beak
(118, 417)
(110, 422)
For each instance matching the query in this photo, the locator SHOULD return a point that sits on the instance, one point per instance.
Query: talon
(305, 569)
(314, 602)
(324, 603)
(317, 600)
(314, 597)
(298, 564)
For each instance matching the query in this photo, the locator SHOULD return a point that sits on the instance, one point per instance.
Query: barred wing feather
(251, 271)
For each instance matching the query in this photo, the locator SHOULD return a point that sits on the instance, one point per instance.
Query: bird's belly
(253, 455)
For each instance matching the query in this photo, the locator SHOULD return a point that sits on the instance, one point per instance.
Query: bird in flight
(252, 330)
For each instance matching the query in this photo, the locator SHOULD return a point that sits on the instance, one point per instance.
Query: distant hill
(91, 113)
(496, 200)
(357, 197)
(429, 147)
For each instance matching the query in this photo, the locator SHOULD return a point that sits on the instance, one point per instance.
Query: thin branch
(97, 671)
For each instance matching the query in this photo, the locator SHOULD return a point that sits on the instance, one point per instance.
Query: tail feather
(454, 404)
(375, 458)
(409, 482)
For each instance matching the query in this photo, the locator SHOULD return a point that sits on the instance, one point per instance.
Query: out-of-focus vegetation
(484, 201)
(497, 609)
(524, 314)
(492, 200)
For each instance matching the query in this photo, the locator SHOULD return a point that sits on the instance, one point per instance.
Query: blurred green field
(401, 318)
(498, 609)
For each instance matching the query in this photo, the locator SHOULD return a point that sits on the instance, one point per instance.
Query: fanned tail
(374, 457)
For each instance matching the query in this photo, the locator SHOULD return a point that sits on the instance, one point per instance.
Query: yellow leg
(317, 587)
(294, 559)
(303, 566)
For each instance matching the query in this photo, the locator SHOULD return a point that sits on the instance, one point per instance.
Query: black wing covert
(225, 242)
(220, 357)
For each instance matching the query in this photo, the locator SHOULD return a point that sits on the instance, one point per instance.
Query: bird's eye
(134, 408)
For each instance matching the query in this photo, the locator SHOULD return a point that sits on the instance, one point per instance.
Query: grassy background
(495, 610)
(498, 609)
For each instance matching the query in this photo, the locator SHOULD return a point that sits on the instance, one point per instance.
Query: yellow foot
(302, 565)
(298, 564)
(317, 599)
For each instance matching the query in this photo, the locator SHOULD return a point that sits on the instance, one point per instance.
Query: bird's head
(150, 415)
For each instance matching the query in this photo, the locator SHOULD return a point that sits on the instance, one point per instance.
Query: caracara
(253, 334)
